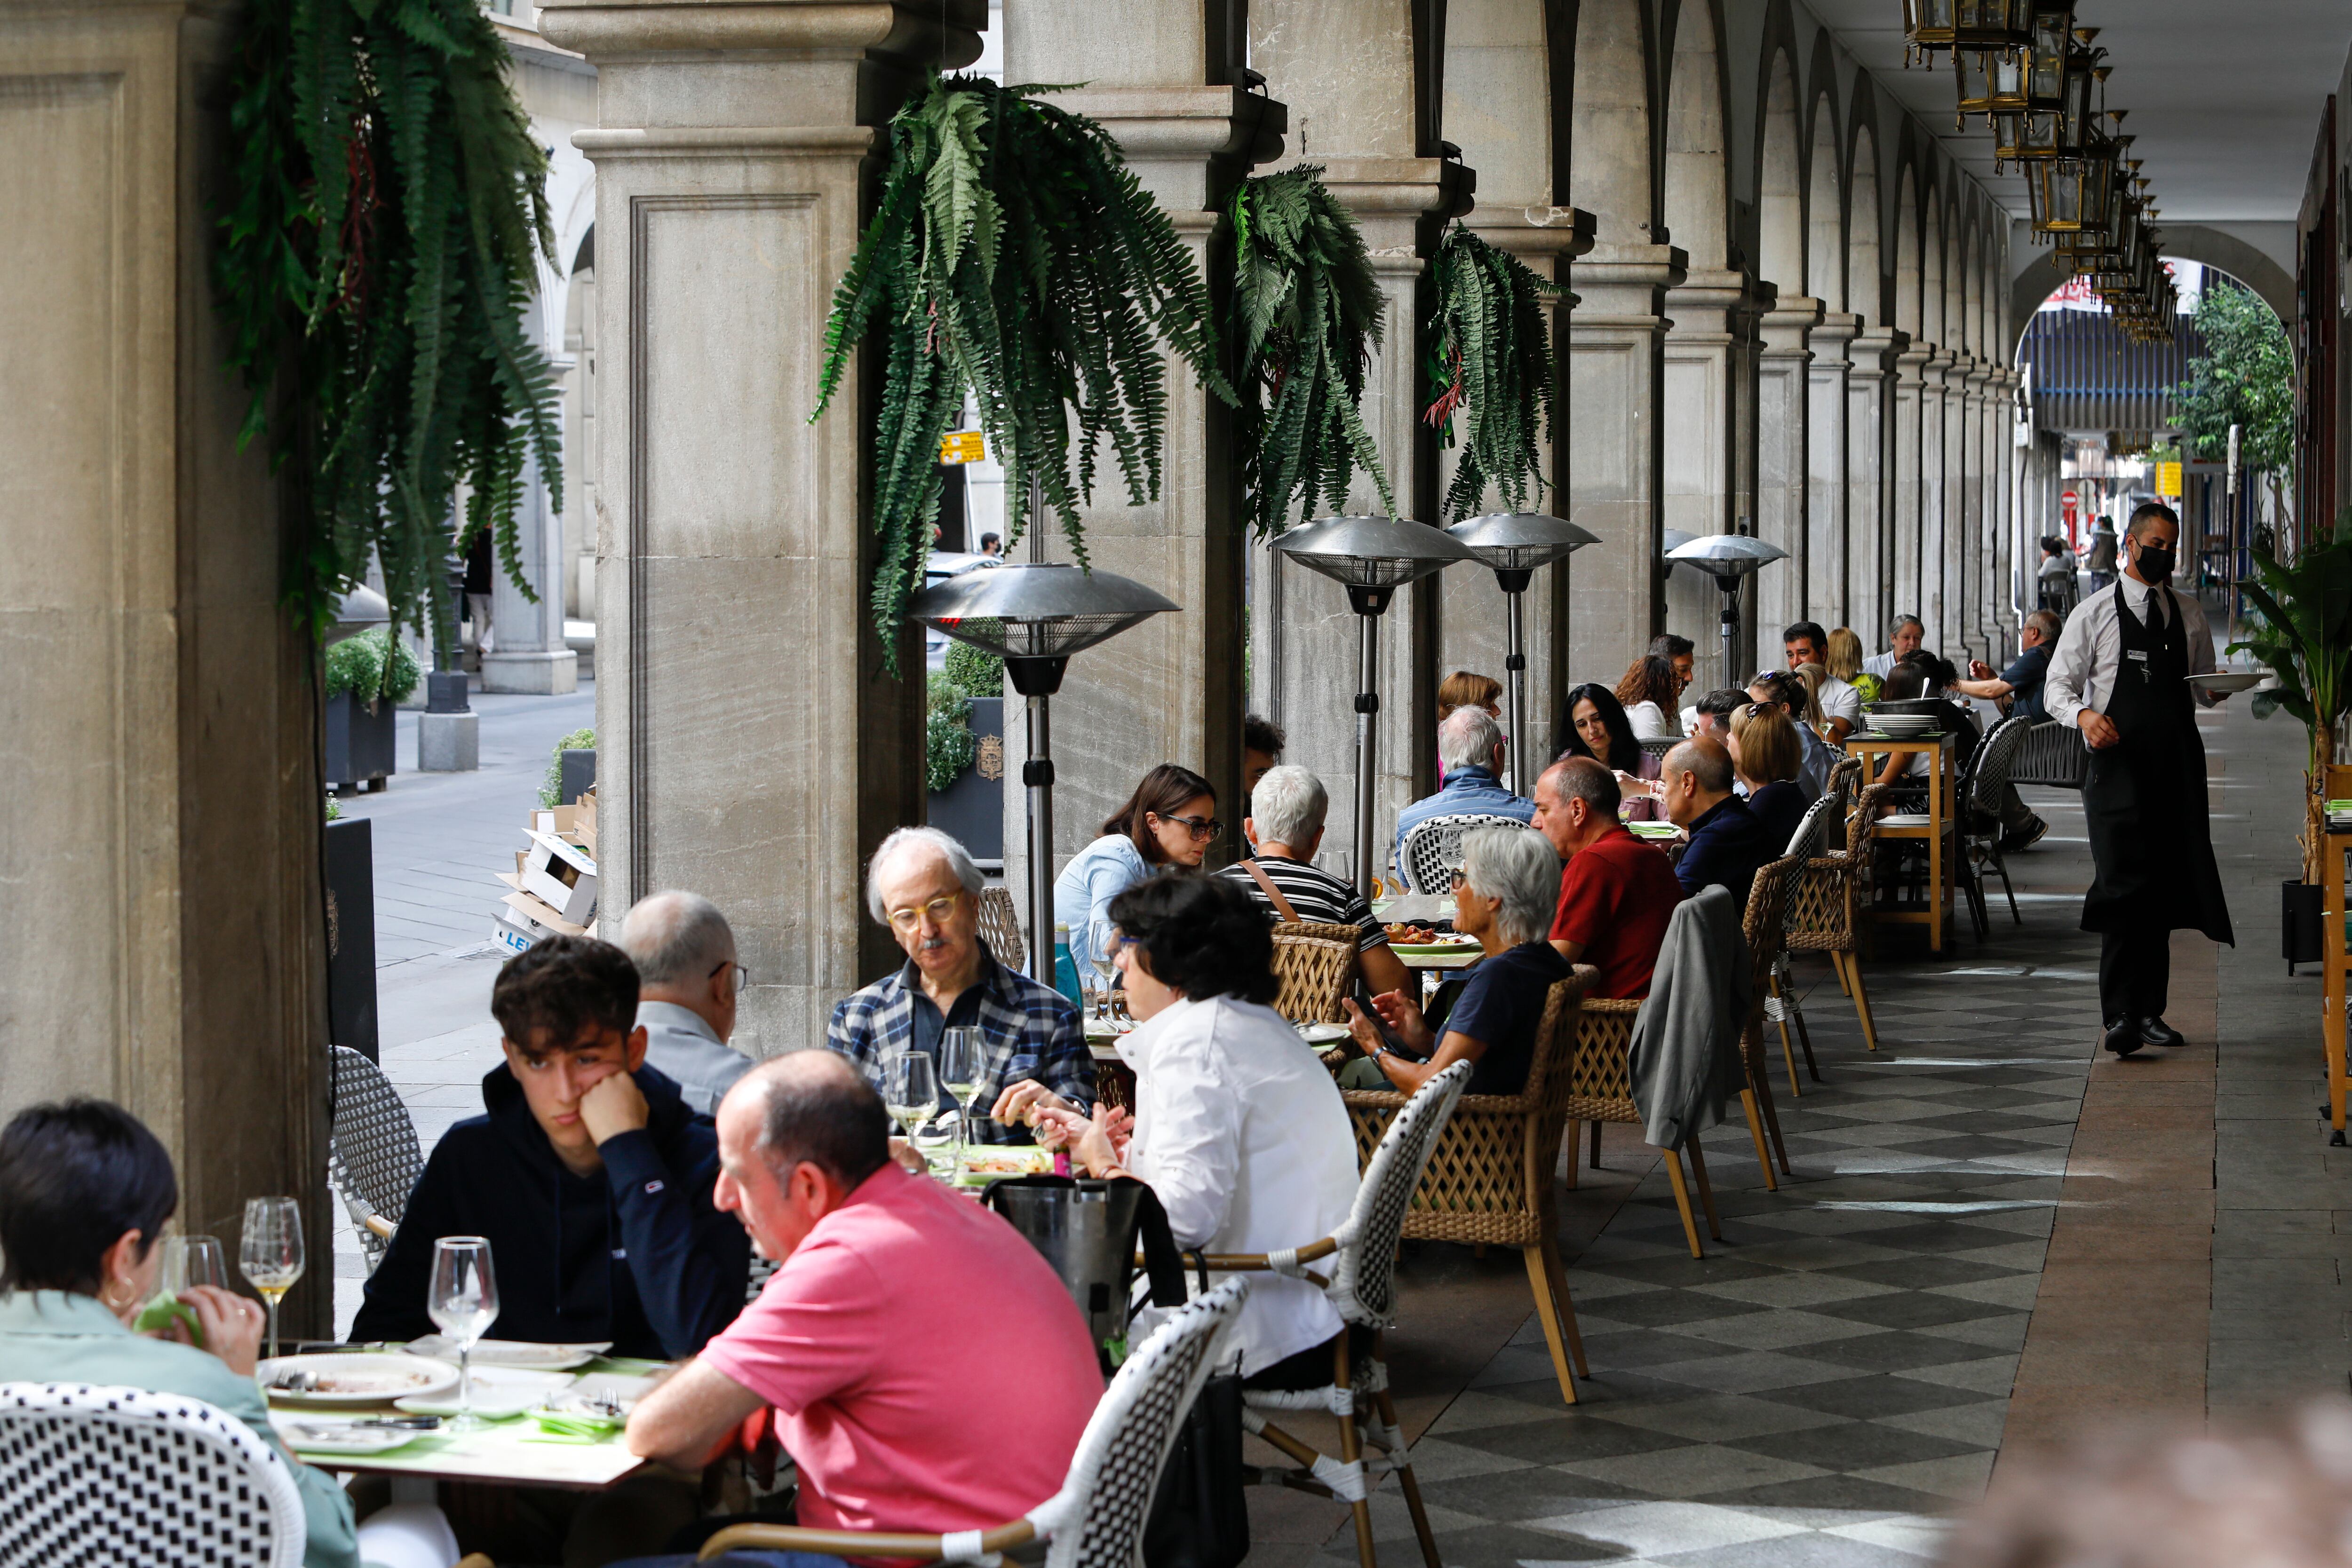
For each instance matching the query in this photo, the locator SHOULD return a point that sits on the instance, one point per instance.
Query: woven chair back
(1364, 1279)
(1826, 890)
(372, 1148)
(1313, 963)
(1000, 927)
(1489, 1180)
(1600, 1086)
(1845, 781)
(1096, 1519)
(1658, 746)
(1990, 767)
(1813, 829)
(2052, 754)
(1431, 851)
(98, 1475)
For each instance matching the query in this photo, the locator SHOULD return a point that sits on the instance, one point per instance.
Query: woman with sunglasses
(1169, 820)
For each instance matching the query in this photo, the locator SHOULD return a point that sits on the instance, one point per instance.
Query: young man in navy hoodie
(589, 1175)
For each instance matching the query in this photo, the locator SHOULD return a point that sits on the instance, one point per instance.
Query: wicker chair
(1602, 1090)
(121, 1474)
(372, 1150)
(1000, 927)
(1781, 1006)
(1492, 1180)
(1768, 909)
(2053, 754)
(1314, 963)
(1658, 746)
(1825, 906)
(1096, 1519)
(1432, 849)
(1845, 783)
(1987, 778)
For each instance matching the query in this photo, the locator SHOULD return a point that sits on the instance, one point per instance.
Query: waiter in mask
(2120, 675)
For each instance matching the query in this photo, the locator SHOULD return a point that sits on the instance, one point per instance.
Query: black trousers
(2135, 971)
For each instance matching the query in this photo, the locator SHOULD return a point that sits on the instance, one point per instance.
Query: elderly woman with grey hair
(1503, 895)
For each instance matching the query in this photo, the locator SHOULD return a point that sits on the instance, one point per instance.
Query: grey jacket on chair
(1683, 1056)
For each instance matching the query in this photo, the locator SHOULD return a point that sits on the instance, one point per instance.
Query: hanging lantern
(2053, 53)
(1993, 25)
(1928, 26)
(1992, 81)
(2057, 187)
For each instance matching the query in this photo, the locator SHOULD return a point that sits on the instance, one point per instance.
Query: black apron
(2145, 802)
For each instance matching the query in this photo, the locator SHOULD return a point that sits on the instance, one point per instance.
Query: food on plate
(389, 1382)
(1411, 936)
(1007, 1162)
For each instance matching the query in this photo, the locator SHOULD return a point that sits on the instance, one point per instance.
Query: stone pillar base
(448, 742)
(549, 675)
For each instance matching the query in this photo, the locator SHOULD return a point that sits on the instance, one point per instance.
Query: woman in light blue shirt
(1166, 822)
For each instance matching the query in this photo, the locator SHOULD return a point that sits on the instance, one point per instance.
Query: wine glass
(463, 1302)
(963, 1076)
(910, 1091)
(269, 1252)
(193, 1261)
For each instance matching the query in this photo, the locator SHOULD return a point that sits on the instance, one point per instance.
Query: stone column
(1935, 456)
(1617, 391)
(1702, 405)
(528, 650)
(2002, 474)
(1348, 71)
(161, 772)
(753, 747)
(1170, 689)
(1826, 492)
(1870, 474)
(1784, 593)
(1900, 571)
(1976, 561)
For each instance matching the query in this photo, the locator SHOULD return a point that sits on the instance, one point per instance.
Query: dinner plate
(1906, 819)
(985, 1164)
(1652, 830)
(1320, 1034)
(512, 1353)
(498, 1392)
(1435, 949)
(346, 1377)
(316, 1434)
(2230, 680)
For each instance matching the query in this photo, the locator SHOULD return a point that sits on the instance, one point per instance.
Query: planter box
(972, 809)
(349, 854)
(359, 742)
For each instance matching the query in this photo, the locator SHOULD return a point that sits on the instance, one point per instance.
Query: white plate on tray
(1322, 1034)
(349, 1377)
(2226, 680)
(498, 1392)
(516, 1353)
(326, 1435)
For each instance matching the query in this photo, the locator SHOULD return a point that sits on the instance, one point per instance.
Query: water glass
(463, 1302)
(193, 1261)
(269, 1252)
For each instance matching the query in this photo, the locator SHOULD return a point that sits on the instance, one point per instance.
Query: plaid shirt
(1016, 1017)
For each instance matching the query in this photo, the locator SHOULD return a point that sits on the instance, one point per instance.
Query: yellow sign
(961, 446)
(2167, 479)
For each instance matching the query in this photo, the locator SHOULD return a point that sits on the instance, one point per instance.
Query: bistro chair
(2052, 754)
(1361, 1281)
(1490, 1181)
(372, 1150)
(1658, 746)
(1825, 902)
(100, 1475)
(1096, 1521)
(1314, 964)
(1000, 927)
(1845, 784)
(1602, 1090)
(1781, 1004)
(1768, 910)
(1987, 780)
(1431, 851)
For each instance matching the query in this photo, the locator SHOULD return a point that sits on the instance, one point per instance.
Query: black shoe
(2156, 1031)
(2122, 1038)
(2024, 838)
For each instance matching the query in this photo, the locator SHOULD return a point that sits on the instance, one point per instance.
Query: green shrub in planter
(358, 665)
(974, 672)
(949, 744)
(551, 789)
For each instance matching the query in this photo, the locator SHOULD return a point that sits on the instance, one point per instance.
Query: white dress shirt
(1841, 699)
(1648, 722)
(1242, 1133)
(2082, 669)
(681, 1046)
(1879, 665)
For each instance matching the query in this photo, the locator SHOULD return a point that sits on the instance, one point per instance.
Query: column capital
(1174, 137)
(1835, 328)
(1788, 326)
(1526, 232)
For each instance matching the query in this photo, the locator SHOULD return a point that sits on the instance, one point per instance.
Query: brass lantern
(2057, 194)
(1928, 26)
(2052, 54)
(1992, 81)
(1993, 25)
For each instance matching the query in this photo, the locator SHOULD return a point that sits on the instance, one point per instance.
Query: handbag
(1200, 1515)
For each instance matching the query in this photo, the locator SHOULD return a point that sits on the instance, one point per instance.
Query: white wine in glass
(961, 1076)
(463, 1302)
(910, 1090)
(269, 1252)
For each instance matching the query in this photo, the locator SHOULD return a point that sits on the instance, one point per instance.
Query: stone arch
(1972, 298)
(1931, 272)
(1781, 182)
(1697, 192)
(1954, 271)
(1906, 256)
(1825, 211)
(1609, 153)
(1865, 287)
(2040, 278)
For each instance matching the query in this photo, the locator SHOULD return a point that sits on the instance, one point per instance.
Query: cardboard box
(584, 821)
(543, 921)
(561, 875)
(509, 936)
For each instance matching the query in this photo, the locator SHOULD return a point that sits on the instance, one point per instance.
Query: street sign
(961, 446)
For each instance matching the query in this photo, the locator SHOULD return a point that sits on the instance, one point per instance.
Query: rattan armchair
(1602, 1090)
(1825, 906)
(1000, 927)
(1768, 898)
(1313, 964)
(1493, 1180)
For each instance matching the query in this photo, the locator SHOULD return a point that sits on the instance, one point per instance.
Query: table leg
(1936, 890)
(2333, 958)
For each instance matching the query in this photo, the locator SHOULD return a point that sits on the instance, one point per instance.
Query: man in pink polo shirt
(905, 1324)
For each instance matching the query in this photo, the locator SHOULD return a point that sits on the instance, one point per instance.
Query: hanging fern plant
(1493, 367)
(1306, 315)
(1012, 253)
(377, 252)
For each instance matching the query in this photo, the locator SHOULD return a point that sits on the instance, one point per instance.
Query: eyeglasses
(1201, 828)
(1456, 880)
(936, 910)
(741, 978)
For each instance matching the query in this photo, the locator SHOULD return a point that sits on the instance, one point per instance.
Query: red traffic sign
(2069, 497)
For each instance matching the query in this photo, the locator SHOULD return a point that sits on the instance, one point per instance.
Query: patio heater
(1513, 543)
(1371, 557)
(1730, 560)
(1034, 615)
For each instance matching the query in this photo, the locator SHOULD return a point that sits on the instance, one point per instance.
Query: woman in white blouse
(1238, 1127)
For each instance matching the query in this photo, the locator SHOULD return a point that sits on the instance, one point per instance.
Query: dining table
(1938, 832)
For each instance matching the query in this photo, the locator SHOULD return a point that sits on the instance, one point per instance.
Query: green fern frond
(1493, 367)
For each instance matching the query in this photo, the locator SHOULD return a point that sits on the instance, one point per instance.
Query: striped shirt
(1315, 896)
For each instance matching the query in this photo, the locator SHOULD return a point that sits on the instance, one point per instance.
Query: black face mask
(2155, 564)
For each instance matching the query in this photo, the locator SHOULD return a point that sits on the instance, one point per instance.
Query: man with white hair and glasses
(1505, 892)
(1470, 746)
(1283, 828)
(923, 886)
(688, 984)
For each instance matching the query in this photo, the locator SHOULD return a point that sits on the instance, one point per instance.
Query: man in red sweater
(1616, 893)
